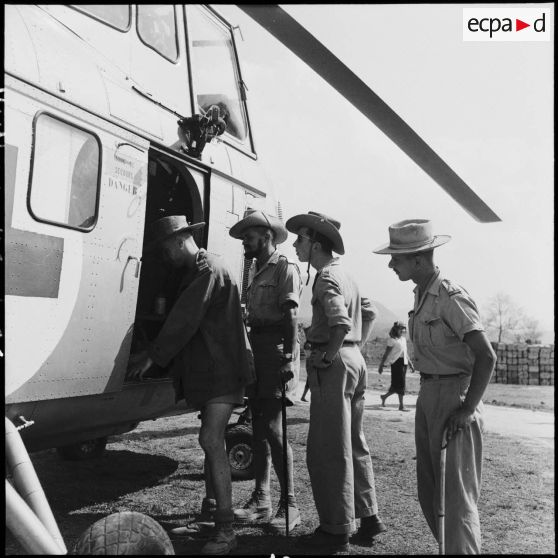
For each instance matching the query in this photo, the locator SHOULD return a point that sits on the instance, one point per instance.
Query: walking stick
(442, 495)
(285, 456)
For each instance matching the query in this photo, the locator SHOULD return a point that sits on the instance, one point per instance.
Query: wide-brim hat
(257, 218)
(165, 227)
(411, 236)
(323, 224)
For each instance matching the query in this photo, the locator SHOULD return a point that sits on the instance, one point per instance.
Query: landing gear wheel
(238, 440)
(90, 449)
(124, 533)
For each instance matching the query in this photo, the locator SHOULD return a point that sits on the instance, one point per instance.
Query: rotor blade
(295, 37)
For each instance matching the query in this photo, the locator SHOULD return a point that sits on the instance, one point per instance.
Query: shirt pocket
(438, 333)
(264, 295)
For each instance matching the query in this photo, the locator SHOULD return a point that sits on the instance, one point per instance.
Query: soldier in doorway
(204, 341)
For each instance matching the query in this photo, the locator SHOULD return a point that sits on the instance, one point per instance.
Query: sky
(485, 107)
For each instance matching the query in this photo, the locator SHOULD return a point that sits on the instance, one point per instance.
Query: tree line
(505, 322)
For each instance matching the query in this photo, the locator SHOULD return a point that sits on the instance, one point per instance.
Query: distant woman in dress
(396, 355)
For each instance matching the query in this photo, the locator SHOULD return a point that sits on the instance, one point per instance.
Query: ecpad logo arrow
(519, 25)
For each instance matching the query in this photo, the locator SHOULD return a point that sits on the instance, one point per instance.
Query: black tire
(124, 533)
(89, 449)
(238, 441)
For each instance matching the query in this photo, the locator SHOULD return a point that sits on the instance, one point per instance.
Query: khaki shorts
(268, 350)
(235, 398)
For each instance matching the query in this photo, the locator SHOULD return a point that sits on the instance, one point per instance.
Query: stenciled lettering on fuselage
(123, 177)
(119, 184)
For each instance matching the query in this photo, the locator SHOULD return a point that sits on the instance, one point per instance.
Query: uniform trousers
(436, 401)
(338, 458)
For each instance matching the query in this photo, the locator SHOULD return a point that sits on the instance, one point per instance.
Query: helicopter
(115, 116)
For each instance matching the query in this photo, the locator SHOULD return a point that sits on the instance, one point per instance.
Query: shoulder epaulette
(289, 261)
(451, 288)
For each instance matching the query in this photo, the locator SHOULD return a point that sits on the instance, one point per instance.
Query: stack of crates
(519, 363)
(500, 374)
(546, 366)
(533, 360)
(523, 371)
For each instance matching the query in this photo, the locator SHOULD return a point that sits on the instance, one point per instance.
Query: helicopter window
(65, 174)
(215, 73)
(118, 16)
(157, 29)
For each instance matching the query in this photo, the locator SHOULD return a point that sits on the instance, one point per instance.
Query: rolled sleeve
(368, 311)
(333, 301)
(288, 284)
(462, 315)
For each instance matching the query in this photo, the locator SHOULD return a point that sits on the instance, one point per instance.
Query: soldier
(338, 457)
(272, 303)
(456, 361)
(204, 340)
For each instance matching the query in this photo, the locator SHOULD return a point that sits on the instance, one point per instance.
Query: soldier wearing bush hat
(456, 361)
(203, 343)
(338, 457)
(272, 301)
(257, 218)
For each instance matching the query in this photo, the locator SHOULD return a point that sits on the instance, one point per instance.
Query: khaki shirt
(203, 338)
(277, 282)
(437, 325)
(336, 300)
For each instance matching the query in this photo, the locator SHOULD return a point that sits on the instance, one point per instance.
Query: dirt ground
(157, 470)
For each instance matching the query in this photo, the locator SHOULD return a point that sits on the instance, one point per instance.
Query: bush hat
(257, 218)
(165, 227)
(328, 226)
(411, 236)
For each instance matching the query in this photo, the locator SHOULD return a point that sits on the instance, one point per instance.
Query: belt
(275, 328)
(442, 376)
(325, 344)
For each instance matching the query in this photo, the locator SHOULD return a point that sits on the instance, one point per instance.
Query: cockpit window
(214, 70)
(116, 15)
(157, 29)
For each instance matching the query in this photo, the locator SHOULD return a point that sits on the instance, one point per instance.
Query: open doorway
(172, 189)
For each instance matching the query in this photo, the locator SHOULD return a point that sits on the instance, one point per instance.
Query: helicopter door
(229, 200)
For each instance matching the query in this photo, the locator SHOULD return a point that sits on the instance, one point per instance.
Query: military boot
(256, 509)
(278, 522)
(205, 521)
(369, 528)
(223, 539)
